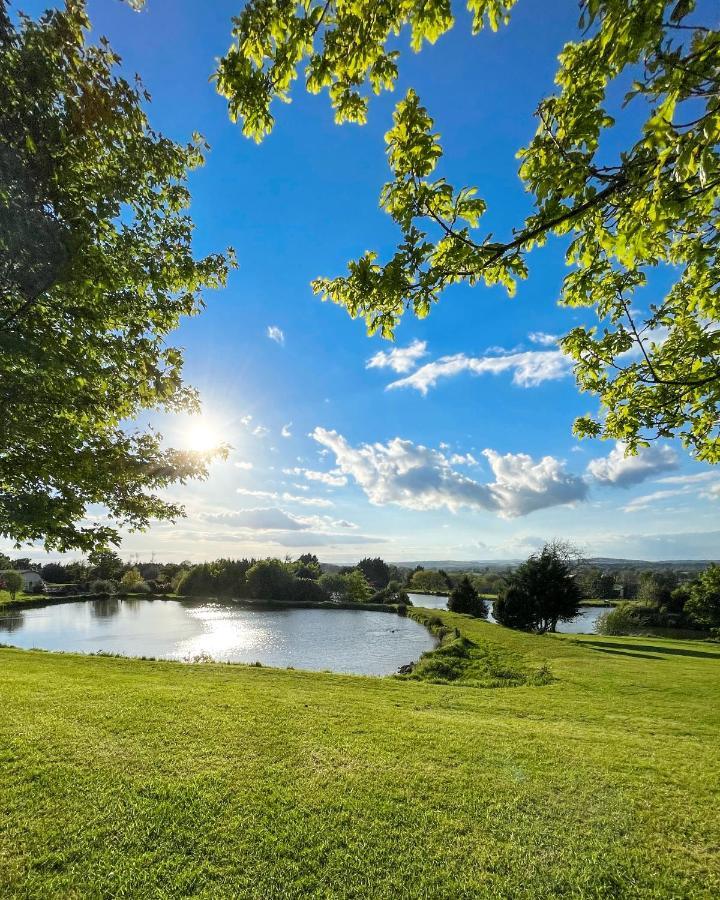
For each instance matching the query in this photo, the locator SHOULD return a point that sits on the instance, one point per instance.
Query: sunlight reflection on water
(352, 641)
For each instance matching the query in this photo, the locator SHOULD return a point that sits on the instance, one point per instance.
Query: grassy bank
(147, 779)
(596, 602)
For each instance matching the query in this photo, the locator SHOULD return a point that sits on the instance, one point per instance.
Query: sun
(201, 434)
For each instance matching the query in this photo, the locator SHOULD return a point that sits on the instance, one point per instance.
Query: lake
(583, 624)
(358, 642)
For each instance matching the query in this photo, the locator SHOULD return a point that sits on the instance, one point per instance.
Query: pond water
(352, 641)
(583, 624)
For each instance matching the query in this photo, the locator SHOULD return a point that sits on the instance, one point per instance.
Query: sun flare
(202, 434)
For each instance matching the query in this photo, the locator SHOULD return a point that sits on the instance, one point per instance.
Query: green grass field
(128, 778)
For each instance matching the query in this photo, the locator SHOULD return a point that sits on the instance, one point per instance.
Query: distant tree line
(300, 580)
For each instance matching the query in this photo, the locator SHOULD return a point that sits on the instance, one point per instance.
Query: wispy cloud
(272, 518)
(285, 430)
(529, 369)
(696, 478)
(287, 497)
(260, 431)
(399, 359)
(542, 338)
(467, 459)
(243, 464)
(640, 503)
(417, 477)
(259, 519)
(334, 478)
(276, 334)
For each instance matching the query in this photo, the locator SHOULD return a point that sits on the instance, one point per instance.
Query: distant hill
(602, 562)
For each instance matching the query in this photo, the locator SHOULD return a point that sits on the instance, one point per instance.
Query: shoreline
(33, 602)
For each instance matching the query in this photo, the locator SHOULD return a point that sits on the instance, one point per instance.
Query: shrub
(333, 583)
(130, 579)
(103, 586)
(269, 579)
(465, 599)
(142, 587)
(307, 590)
(624, 619)
(199, 581)
(393, 594)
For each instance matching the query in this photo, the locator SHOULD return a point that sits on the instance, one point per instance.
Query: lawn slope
(126, 778)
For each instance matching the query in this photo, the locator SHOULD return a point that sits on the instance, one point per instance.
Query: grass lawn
(21, 598)
(127, 778)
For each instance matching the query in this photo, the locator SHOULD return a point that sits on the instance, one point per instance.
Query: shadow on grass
(654, 648)
(612, 652)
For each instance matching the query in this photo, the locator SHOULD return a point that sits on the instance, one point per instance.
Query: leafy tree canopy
(376, 570)
(12, 581)
(428, 580)
(269, 579)
(96, 269)
(106, 564)
(653, 359)
(704, 603)
(357, 588)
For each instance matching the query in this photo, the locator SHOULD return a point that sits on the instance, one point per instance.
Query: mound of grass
(477, 663)
(129, 778)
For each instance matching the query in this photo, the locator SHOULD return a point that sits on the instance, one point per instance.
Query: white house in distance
(31, 580)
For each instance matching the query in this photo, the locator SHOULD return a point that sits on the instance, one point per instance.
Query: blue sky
(466, 458)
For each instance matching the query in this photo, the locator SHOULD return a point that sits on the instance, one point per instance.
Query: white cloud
(276, 334)
(523, 485)
(399, 359)
(263, 495)
(246, 420)
(529, 369)
(260, 431)
(619, 470)
(307, 501)
(542, 338)
(457, 459)
(334, 478)
(285, 430)
(417, 477)
(287, 497)
(243, 465)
